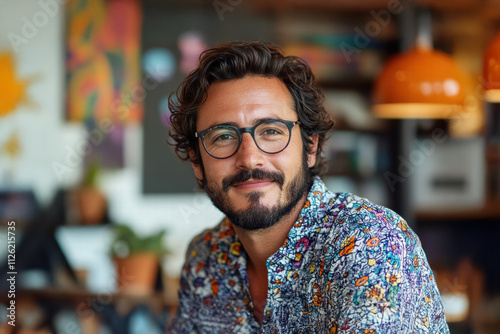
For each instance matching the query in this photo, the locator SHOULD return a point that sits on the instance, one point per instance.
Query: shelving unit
(51, 293)
(49, 307)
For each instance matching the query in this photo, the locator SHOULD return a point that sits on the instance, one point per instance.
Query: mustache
(256, 174)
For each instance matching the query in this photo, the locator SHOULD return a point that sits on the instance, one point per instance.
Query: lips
(252, 184)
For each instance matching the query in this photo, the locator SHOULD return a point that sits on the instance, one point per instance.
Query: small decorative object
(92, 204)
(13, 90)
(137, 259)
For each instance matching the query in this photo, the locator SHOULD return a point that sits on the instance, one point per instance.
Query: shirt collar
(303, 234)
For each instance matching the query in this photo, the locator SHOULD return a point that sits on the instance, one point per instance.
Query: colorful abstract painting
(102, 61)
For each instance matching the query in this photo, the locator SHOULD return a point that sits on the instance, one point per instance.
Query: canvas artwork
(102, 64)
(104, 88)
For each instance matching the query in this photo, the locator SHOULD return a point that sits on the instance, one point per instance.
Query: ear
(311, 158)
(196, 167)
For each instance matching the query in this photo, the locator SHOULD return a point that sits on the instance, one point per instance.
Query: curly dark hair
(236, 60)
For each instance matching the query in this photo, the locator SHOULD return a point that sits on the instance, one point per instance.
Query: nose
(249, 156)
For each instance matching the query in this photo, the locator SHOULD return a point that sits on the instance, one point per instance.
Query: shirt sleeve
(387, 285)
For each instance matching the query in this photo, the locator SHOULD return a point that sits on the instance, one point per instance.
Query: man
(291, 256)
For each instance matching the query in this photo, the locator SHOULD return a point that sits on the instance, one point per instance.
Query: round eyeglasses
(270, 135)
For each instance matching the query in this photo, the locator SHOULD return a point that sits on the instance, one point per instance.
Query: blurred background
(90, 189)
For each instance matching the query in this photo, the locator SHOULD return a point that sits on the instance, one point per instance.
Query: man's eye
(223, 137)
(271, 132)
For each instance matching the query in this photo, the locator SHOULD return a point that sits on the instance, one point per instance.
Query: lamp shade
(491, 70)
(420, 83)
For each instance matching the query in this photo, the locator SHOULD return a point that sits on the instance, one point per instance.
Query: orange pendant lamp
(491, 71)
(420, 83)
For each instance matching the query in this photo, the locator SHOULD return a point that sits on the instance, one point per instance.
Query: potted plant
(137, 259)
(92, 204)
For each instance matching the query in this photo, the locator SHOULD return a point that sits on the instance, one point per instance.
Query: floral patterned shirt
(347, 266)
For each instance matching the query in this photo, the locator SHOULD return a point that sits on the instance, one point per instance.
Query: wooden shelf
(491, 210)
(447, 5)
(366, 5)
(77, 295)
(355, 6)
(92, 309)
(359, 84)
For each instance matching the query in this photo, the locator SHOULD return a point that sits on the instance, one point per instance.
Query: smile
(252, 184)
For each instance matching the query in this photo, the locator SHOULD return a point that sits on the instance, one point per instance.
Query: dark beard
(257, 216)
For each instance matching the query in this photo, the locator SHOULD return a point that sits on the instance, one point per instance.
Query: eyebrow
(255, 122)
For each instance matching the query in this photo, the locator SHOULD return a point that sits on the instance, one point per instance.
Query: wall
(38, 53)
(33, 31)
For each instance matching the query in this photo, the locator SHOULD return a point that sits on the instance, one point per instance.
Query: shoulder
(354, 214)
(340, 218)
(209, 242)
(345, 208)
(355, 225)
(212, 260)
(375, 260)
(355, 209)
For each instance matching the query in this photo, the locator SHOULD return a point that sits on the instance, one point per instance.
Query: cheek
(214, 169)
(289, 163)
(296, 152)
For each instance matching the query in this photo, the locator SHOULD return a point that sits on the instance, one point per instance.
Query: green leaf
(125, 236)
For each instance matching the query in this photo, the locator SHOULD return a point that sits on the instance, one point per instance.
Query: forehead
(245, 101)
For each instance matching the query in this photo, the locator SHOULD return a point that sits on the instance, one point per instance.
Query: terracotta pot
(137, 273)
(91, 205)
